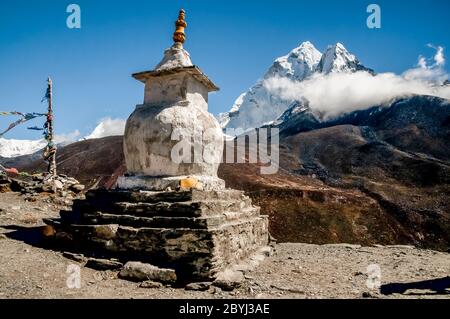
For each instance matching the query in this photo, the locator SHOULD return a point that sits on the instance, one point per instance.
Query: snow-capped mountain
(258, 106)
(337, 59)
(298, 114)
(11, 148)
(298, 64)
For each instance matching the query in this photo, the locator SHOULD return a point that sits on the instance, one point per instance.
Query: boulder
(137, 271)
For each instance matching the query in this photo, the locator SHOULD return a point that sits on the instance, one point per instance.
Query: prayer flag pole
(51, 148)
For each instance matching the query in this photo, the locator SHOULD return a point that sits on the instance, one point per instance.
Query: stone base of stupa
(206, 183)
(197, 233)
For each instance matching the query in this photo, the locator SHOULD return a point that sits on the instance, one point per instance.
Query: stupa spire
(179, 36)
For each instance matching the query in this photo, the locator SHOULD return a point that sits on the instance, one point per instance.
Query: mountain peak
(305, 47)
(337, 59)
(340, 46)
(297, 64)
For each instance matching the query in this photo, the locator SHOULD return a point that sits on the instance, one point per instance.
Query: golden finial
(179, 36)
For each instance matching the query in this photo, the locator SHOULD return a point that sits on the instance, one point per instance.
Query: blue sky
(233, 42)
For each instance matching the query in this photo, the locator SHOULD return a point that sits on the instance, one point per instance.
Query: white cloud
(339, 93)
(422, 62)
(432, 73)
(439, 58)
(108, 127)
(67, 138)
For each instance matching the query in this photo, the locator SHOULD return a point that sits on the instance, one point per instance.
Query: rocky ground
(293, 271)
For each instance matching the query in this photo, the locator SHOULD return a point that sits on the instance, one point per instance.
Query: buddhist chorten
(169, 212)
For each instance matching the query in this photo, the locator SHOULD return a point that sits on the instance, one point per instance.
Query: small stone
(137, 271)
(229, 280)
(47, 188)
(103, 264)
(77, 188)
(266, 251)
(198, 286)
(38, 177)
(150, 284)
(3, 236)
(58, 185)
(214, 290)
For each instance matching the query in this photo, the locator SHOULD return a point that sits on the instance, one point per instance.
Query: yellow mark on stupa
(179, 36)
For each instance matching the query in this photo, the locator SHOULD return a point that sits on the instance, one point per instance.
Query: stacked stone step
(198, 233)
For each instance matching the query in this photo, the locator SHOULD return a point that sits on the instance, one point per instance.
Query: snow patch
(12, 148)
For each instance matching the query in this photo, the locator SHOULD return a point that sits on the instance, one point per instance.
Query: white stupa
(171, 137)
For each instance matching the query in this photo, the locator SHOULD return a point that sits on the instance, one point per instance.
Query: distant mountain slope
(95, 162)
(416, 124)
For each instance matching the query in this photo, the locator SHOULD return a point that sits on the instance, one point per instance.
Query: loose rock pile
(5, 183)
(150, 277)
(60, 185)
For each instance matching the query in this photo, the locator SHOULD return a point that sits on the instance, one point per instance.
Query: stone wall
(197, 233)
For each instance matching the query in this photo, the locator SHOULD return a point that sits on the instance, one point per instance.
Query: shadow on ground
(439, 286)
(29, 235)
